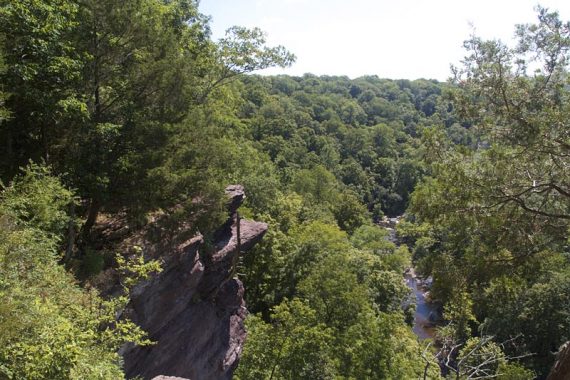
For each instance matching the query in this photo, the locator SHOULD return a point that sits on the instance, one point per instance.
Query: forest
(129, 111)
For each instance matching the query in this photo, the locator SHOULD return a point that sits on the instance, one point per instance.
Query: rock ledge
(194, 309)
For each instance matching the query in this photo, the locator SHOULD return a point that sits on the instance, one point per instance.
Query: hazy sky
(390, 38)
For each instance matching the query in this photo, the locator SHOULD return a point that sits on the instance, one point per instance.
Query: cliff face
(561, 368)
(194, 309)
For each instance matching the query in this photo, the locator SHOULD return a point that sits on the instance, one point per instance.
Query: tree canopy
(129, 108)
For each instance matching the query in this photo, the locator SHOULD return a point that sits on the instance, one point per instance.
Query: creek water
(426, 314)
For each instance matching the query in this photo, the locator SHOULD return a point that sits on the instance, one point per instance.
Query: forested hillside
(342, 153)
(129, 112)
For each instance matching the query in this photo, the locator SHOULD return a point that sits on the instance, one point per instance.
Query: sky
(397, 39)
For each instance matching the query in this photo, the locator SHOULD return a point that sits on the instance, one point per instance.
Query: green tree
(314, 241)
(499, 210)
(37, 200)
(138, 79)
(243, 50)
(42, 68)
(338, 299)
(527, 114)
(295, 345)
(51, 328)
(382, 347)
(388, 290)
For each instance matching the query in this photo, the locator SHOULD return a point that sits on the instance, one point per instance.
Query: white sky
(393, 39)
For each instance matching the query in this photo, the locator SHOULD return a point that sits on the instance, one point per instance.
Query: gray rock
(194, 309)
(561, 368)
(236, 196)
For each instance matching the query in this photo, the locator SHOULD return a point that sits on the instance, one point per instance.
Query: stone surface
(561, 368)
(236, 196)
(194, 309)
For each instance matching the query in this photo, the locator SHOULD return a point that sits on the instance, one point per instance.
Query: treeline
(362, 131)
(325, 285)
(485, 159)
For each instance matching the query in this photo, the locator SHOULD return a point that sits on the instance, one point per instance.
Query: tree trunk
(45, 144)
(9, 151)
(70, 233)
(94, 207)
(426, 370)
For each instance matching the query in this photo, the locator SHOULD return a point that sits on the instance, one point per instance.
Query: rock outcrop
(194, 309)
(561, 368)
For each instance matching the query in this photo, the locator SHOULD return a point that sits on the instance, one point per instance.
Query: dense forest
(129, 108)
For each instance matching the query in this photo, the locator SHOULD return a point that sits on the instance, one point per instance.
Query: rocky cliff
(194, 309)
(561, 368)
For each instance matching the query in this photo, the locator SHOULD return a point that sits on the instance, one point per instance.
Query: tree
(349, 212)
(499, 211)
(52, 328)
(381, 346)
(42, 69)
(338, 299)
(388, 290)
(295, 345)
(140, 61)
(313, 242)
(525, 113)
(480, 358)
(243, 51)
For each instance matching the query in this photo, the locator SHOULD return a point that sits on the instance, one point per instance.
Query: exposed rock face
(194, 309)
(561, 368)
(236, 195)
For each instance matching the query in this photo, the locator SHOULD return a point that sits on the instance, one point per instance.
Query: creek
(427, 313)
